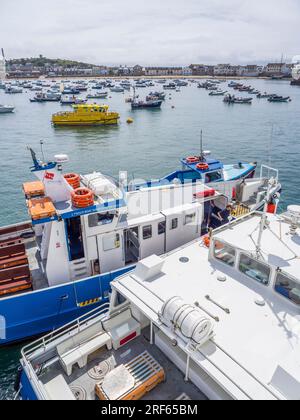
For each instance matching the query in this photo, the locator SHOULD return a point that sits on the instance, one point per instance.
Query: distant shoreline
(131, 77)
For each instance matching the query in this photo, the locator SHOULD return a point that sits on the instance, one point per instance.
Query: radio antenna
(42, 149)
(201, 146)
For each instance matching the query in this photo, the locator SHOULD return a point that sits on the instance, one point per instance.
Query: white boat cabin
(117, 230)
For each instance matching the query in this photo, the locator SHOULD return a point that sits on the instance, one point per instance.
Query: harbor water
(265, 132)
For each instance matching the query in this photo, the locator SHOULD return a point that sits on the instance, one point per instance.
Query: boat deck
(83, 384)
(38, 275)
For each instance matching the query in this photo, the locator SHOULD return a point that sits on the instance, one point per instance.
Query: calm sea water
(149, 148)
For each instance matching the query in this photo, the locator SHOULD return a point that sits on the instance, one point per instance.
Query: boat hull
(6, 110)
(34, 313)
(85, 123)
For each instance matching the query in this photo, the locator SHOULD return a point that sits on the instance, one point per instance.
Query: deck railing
(69, 329)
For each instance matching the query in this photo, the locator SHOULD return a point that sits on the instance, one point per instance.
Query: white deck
(256, 347)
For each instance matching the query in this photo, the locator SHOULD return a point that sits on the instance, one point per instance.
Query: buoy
(129, 120)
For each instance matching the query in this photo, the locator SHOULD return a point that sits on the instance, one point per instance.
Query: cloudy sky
(159, 32)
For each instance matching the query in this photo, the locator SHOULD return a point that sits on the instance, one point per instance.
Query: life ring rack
(203, 166)
(73, 180)
(192, 159)
(82, 198)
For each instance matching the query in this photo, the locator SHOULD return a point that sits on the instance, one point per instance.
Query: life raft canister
(202, 166)
(73, 180)
(82, 197)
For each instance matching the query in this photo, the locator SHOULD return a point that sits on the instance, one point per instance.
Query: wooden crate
(147, 375)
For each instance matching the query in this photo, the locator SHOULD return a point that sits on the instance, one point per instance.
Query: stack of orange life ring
(202, 166)
(73, 180)
(82, 197)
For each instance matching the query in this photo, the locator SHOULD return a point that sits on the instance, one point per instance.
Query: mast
(2, 66)
(201, 147)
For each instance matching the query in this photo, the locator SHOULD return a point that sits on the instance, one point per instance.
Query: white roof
(256, 347)
(275, 252)
(160, 199)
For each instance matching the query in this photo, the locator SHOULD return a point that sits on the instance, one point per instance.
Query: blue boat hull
(35, 313)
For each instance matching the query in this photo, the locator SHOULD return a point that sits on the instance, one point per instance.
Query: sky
(152, 32)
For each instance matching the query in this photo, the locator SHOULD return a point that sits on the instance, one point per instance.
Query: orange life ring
(206, 241)
(82, 197)
(192, 159)
(73, 180)
(202, 166)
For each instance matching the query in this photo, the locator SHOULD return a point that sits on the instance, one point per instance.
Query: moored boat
(86, 230)
(217, 93)
(279, 98)
(232, 99)
(83, 115)
(6, 109)
(199, 322)
(46, 97)
(97, 95)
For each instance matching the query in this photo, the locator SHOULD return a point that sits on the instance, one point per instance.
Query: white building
(225, 70)
(2, 69)
(251, 70)
(164, 71)
(274, 69)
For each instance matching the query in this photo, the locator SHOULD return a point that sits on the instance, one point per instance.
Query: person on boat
(219, 217)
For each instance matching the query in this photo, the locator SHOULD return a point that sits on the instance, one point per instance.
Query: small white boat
(117, 89)
(13, 90)
(97, 95)
(72, 100)
(6, 109)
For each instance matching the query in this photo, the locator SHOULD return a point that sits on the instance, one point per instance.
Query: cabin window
(254, 269)
(224, 253)
(288, 288)
(119, 300)
(213, 176)
(147, 232)
(161, 228)
(111, 242)
(174, 224)
(98, 219)
(190, 218)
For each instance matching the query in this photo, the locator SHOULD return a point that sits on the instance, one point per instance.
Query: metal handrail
(270, 169)
(73, 326)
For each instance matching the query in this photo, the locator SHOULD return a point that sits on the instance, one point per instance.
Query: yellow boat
(86, 115)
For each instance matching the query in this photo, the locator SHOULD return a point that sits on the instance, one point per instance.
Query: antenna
(270, 145)
(2, 52)
(42, 149)
(201, 146)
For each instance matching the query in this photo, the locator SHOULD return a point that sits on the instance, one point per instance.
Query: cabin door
(74, 239)
(132, 245)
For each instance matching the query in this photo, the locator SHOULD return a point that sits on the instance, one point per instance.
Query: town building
(164, 71)
(251, 70)
(225, 70)
(138, 70)
(202, 70)
(277, 69)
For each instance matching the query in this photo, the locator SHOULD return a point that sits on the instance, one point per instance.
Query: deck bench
(58, 389)
(71, 352)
